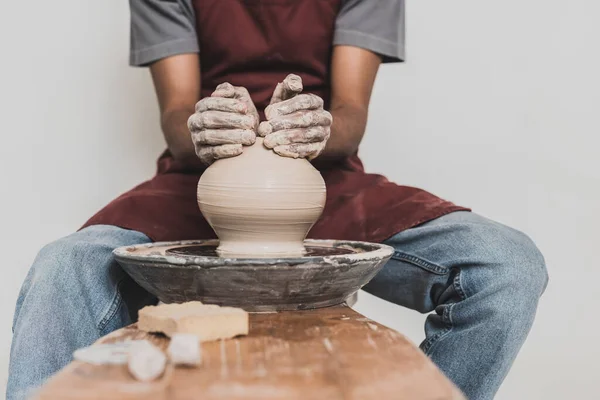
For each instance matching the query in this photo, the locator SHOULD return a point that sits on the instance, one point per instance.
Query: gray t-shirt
(162, 28)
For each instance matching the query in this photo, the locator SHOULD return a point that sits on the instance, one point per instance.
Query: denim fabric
(482, 280)
(73, 294)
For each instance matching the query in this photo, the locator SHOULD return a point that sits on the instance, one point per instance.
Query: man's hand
(297, 125)
(223, 123)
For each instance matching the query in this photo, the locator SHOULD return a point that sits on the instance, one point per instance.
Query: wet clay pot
(261, 204)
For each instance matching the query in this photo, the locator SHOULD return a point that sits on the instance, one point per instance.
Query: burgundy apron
(255, 44)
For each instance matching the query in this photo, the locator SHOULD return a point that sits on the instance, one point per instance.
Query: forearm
(177, 134)
(352, 77)
(347, 131)
(177, 84)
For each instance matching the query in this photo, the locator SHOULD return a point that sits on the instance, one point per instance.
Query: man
(482, 279)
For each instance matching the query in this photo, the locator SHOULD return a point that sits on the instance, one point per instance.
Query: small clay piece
(207, 322)
(146, 362)
(105, 354)
(184, 349)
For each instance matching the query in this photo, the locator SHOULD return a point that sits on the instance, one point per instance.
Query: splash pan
(327, 275)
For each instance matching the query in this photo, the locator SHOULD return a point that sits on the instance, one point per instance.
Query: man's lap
(424, 258)
(435, 246)
(458, 239)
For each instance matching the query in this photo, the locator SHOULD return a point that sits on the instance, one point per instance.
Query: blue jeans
(481, 279)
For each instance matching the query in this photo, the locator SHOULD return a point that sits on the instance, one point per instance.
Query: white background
(496, 108)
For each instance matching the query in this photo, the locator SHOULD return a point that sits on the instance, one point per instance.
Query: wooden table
(330, 353)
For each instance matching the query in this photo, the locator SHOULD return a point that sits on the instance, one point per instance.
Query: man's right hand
(223, 123)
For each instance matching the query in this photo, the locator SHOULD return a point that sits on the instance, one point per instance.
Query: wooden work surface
(330, 353)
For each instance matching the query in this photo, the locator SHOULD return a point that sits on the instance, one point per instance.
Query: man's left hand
(298, 127)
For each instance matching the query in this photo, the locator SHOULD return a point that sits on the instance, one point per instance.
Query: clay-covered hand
(223, 123)
(297, 125)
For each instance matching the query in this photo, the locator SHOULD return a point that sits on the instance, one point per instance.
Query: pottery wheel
(329, 273)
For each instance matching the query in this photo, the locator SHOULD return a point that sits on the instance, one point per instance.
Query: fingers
(224, 90)
(277, 94)
(297, 103)
(220, 120)
(299, 119)
(296, 126)
(300, 150)
(291, 86)
(221, 104)
(223, 123)
(213, 137)
(290, 136)
(243, 95)
(227, 90)
(209, 154)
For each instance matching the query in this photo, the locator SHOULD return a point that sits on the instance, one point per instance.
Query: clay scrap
(146, 362)
(184, 350)
(106, 353)
(207, 322)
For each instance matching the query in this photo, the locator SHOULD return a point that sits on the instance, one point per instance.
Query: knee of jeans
(54, 262)
(515, 264)
(526, 268)
(67, 262)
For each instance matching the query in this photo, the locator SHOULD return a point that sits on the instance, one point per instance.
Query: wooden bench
(330, 353)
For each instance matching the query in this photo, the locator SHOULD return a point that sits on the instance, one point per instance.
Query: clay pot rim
(365, 251)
